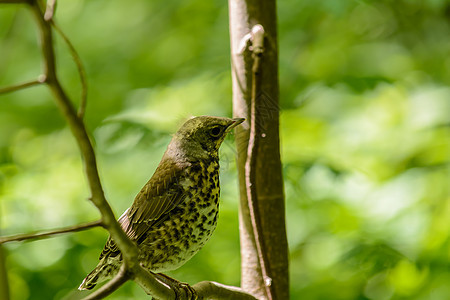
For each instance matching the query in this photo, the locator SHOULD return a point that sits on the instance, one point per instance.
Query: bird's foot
(189, 290)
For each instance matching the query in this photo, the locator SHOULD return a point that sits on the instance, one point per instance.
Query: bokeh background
(365, 118)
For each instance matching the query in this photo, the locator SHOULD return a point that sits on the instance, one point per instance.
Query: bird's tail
(104, 271)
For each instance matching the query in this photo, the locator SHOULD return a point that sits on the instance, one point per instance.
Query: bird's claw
(191, 293)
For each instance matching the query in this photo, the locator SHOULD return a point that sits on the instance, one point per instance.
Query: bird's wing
(161, 194)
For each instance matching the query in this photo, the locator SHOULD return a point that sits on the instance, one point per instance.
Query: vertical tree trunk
(267, 206)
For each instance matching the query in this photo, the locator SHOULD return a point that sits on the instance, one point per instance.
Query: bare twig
(13, 88)
(46, 234)
(250, 165)
(152, 285)
(127, 247)
(214, 290)
(111, 285)
(148, 281)
(129, 250)
(80, 68)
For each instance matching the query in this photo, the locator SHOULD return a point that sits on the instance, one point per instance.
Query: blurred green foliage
(365, 118)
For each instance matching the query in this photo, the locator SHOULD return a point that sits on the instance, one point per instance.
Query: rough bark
(267, 182)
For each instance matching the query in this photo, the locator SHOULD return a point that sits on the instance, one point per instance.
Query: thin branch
(46, 234)
(166, 286)
(81, 70)
(111, 285)
(250, 165)
(76, 125)
(153, 286)
(128, 249)
(148, 282)
(214, 290)
(20, 86)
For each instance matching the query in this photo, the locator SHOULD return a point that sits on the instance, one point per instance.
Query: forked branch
(21, 86)
(78, 129)
(49, 233)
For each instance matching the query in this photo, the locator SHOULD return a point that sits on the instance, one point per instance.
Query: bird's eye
(215, 131)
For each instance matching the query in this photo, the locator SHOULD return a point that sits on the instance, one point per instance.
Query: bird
(175, 213)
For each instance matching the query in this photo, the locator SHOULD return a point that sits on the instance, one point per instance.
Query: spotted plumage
(175, 213)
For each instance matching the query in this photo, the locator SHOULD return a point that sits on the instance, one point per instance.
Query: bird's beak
(235, 122)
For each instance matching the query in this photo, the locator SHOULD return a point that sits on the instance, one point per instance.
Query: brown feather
(162, 193)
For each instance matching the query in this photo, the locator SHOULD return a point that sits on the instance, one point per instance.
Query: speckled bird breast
(188, 226)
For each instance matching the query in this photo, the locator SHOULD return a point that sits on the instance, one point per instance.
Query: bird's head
(201, 137)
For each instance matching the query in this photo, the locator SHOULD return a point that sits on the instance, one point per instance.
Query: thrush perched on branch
(175, 213)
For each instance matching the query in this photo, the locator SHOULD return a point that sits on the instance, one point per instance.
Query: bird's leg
(177, 286)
